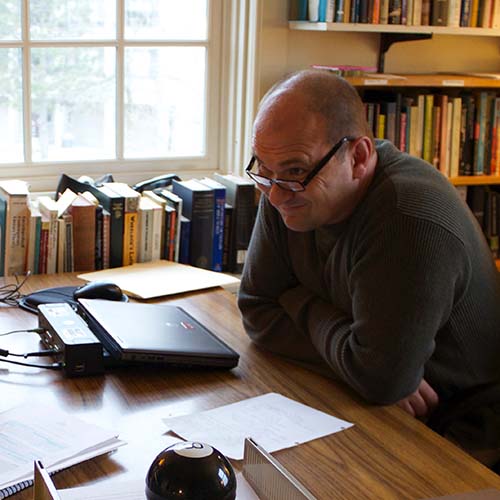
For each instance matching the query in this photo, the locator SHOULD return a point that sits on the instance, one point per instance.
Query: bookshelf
(410, 86)
(392, 28)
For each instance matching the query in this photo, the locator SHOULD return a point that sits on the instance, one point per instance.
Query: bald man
(364, 261)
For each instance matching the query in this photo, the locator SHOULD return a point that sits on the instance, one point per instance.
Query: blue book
(219, 203)
(302, 11)
(184, 242)
(198, 206)
(322, 11)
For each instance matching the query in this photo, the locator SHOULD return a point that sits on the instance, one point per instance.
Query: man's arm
(267, 279)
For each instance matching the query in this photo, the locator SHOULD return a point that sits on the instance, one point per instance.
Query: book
(145, 229)
(176, 203)
(185, 239)
(219, 204)
(227, 246)
(65, 256)
(427, 133)
(198, 207)
(130, 207)
(83, 212)
(14, 194)
(240, 193)
(112, 202)
(49, 210)
(455, 136)
(440, 12)
(35, 228)
(480, 132)
(164, 222)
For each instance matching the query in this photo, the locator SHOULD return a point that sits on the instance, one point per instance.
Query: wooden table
(385, 455)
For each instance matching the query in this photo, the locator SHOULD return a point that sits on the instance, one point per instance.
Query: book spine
(130, 238)
(3, 225)
(106, 238)
(185, 240)
(228, 224)
(218, 243)
(427, 145)
(16, 235)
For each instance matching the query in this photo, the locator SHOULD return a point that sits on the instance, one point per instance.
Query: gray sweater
(405, 288)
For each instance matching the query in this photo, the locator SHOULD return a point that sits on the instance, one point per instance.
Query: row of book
(458, 134)
(205, 223)
(484, 202)
(453, 13)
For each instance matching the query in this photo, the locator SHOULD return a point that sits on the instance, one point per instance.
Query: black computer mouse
(99, 290)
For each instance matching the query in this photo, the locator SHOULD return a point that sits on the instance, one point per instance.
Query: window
(96, 86)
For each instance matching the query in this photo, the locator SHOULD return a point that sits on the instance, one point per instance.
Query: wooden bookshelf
(392, 28)
(475, 180)
(425, 80)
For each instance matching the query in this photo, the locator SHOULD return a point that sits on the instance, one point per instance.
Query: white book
(49, 210)
(145, 230)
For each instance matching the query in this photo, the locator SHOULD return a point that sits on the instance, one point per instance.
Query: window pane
(11, 119)
(73, 103)
(10, 19)
(164, 101)
(72, 20)
(166, 19)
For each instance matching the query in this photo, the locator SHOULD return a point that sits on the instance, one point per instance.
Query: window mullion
(26, 82)
(120, 75)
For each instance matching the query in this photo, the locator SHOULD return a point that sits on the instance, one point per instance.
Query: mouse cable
(30, 330)
(47, 352)
(53, 366)
(10, 294)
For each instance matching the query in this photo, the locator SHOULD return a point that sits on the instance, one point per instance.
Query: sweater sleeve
(403, 283)
(268, 284)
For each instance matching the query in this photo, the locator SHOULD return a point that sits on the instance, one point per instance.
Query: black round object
(190, 471)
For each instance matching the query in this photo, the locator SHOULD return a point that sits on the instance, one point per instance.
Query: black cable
(10, 294)
(47, 352)
(53, 366)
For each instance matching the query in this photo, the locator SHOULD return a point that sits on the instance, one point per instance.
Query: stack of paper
(59, 440)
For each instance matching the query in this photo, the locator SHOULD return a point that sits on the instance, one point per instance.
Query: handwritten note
(273, 420)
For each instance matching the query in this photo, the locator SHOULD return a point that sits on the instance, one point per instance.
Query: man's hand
(421, 402)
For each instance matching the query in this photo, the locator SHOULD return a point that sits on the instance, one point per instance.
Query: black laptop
(151, 333)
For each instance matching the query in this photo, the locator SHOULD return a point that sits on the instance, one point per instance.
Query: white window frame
(231, 61)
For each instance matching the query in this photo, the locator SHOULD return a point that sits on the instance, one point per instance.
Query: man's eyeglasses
(296, 186)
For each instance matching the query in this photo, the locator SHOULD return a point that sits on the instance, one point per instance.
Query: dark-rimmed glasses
(296, 186)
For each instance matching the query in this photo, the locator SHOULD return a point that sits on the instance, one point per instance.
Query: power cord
(10, 294)
(31, 330)
(53, 366)
(47, 352)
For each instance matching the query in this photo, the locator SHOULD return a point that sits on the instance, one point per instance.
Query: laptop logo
(185, 324)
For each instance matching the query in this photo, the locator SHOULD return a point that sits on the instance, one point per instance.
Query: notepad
(161, 277)
(31, 432)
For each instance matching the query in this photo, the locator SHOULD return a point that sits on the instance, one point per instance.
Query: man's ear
(362, 155)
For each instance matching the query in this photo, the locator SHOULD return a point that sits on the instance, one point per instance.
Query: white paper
(272, 420)
(29, 433)
(134, 490)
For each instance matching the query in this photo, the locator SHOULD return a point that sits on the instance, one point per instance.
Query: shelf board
(392, 28)
(424, 80)
(474, 180)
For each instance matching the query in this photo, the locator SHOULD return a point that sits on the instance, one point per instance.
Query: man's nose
(278, 195)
